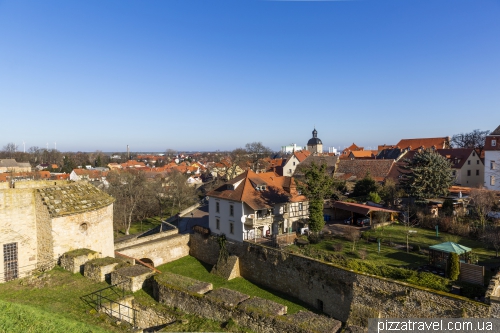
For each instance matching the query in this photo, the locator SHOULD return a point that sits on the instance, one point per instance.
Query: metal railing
(107, 300)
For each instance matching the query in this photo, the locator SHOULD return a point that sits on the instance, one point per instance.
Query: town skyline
(193, 75)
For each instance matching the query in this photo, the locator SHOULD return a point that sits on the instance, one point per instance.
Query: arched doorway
(147, 261)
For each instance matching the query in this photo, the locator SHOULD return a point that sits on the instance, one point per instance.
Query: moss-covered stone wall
(258, 314)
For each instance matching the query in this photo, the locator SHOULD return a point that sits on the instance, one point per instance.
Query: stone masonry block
(131, 278)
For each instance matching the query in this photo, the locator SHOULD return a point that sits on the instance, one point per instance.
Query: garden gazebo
(439, 254)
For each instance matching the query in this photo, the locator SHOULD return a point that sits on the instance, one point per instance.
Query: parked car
(348, 220)
(363, 221)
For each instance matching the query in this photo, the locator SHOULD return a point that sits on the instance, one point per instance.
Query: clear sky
(207, 75)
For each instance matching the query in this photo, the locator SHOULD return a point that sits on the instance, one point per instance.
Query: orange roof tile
(439, 143)
(279, 189)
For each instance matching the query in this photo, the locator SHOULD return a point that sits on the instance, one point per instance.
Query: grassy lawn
(191, 267)
(388, 255)
(425, 238)
(53, 304)
(139, 227)
(56, 297)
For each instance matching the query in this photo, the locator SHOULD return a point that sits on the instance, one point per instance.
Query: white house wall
(490, 156)
(225, 218)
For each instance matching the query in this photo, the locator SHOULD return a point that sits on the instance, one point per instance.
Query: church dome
(314, 140)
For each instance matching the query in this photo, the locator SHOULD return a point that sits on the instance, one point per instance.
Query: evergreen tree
(365, 186)
(427, 175)
(316, 187)
(454, 265)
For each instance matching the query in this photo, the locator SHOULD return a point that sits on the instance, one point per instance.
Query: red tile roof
(357, 169)
(439, 143)
(279, 189)
(301, 155)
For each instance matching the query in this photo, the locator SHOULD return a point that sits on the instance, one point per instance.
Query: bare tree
(483, 201)
(409, 221)
(257, 152)
(492, 237)
(128, 188)
(474, 139)
(10, 149)
(353, 235)
(180, 193)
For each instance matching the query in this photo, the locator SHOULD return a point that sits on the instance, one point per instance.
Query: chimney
(128, 153)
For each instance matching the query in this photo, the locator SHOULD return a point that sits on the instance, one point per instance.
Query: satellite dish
(243, 218)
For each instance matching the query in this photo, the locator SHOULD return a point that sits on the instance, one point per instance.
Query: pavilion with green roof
(439, 254)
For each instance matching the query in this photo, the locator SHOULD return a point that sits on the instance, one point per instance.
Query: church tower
(314, 145)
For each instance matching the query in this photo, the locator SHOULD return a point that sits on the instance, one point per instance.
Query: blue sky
(207, 75)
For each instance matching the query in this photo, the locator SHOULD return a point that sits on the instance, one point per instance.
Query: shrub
(374, 197)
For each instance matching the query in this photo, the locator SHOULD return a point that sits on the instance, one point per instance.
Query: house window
(454, 172)
(468, 172)
(284, 209)
(217, 224)
(301, 206)
(290, 171)
(217, 207)
(468, 162)
(477, 172)
(231, 227)
(293, 163)
(492, 165)
(492, 180)
(473, 154)
(231, 210)
(493, 143)
(477, 162)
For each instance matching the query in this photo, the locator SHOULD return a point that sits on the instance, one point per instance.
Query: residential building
(423, 143)
(492, 160)
(354, 170)
(291, 163)
(466, 165)
(10, 165)
(256, 205)
(291, 148)
(347, 151)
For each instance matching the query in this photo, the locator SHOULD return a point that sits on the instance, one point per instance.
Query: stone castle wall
(45, 242)
(343, 294)
(18, 225)
(161, 250)
(139, 240)
(91, 230)
(255, 313)
(40, 183)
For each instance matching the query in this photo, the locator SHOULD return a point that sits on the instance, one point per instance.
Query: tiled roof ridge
(496, 131)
